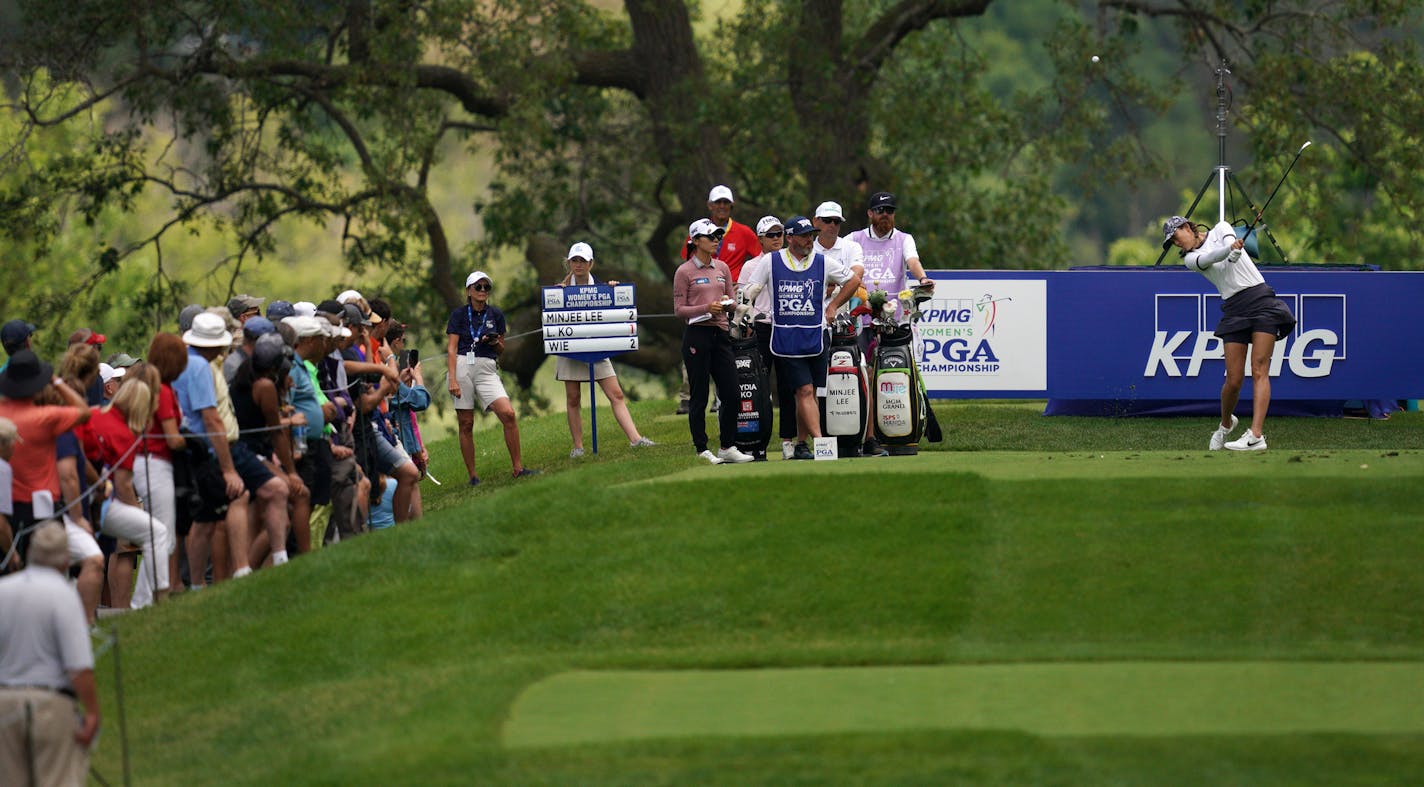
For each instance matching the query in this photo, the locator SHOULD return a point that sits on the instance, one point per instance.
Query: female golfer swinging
(1251, 316)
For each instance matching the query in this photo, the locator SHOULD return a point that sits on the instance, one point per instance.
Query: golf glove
(1233, 256)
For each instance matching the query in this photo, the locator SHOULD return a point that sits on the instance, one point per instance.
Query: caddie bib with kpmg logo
(884, 261)
(797, 300)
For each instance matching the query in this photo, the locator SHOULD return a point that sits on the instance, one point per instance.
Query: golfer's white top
(43, 633)
(1210, 260)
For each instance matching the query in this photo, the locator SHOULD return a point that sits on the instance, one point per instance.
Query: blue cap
(258, 326)
(799, 225)
(276, 310)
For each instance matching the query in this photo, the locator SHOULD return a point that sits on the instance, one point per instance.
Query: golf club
(1252, 226)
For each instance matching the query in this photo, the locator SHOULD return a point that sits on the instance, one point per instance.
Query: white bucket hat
(209, 330)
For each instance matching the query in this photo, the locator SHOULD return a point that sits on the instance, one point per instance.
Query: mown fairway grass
(396, 658)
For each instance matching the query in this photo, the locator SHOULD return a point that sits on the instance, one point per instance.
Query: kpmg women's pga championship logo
(979, 334)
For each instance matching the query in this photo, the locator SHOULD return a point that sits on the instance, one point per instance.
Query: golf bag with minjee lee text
(753, 398)
(847, 402)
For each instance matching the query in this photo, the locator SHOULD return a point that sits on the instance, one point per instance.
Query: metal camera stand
(1222, 175)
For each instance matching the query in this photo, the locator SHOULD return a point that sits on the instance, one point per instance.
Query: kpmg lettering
(1311, 354)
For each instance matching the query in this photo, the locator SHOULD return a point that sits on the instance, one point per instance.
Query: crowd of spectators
(209, 453)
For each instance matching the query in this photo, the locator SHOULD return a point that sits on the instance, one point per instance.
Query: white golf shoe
(1218, 438)
(710, 457)
(1247, 442)
(735, 455)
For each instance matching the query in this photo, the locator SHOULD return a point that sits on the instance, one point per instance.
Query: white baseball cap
(304, 308)
(476, 276)
(768, 223)
(107, 372)
(581, 250)
(829, 210)
(306, 326)
(348, 296)
(702, 227)
(720, 192)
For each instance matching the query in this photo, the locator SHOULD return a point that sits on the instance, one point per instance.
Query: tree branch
(904, 18)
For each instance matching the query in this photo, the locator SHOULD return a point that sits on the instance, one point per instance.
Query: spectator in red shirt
(113, 437)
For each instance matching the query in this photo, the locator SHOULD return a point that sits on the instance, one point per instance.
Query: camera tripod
(1222, 175)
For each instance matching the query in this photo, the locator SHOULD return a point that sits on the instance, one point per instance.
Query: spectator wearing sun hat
(223, 494)
(476, 340)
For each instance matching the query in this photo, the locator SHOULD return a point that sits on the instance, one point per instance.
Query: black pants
(707, 352)
(785, 400)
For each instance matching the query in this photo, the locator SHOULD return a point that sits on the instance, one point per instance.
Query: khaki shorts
(479, 382)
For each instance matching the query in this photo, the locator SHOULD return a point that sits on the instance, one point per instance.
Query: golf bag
(847, 403)
(899, 410)
(753, 398)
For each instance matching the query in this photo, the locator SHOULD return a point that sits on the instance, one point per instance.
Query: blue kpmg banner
(590, 322)
(1146, 334)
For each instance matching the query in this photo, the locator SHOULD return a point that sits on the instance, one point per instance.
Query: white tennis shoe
(1247, 442)
(1218, 438)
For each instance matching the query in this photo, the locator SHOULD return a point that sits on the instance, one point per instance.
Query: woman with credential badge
(1251, 317)
(476, 332)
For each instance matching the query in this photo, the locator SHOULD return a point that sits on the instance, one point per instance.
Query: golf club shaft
(1279, 183)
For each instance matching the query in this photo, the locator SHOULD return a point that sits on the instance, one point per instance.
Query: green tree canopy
(1009, 146)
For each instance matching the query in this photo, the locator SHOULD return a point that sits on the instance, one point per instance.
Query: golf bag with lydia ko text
(847, 402)
(753, 396)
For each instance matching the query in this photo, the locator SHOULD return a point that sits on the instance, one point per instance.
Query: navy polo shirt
(489, 322)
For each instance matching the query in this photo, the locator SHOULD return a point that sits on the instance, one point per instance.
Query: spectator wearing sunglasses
(829, 243)
(888, 255)
(476, 332)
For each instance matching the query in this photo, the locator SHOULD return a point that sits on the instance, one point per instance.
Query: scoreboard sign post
(590, 323)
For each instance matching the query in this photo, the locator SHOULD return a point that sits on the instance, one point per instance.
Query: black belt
(68, 692)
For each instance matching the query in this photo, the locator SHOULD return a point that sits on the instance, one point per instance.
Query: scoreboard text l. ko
(590, 322)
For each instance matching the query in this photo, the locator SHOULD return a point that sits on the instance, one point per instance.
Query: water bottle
(299, 441)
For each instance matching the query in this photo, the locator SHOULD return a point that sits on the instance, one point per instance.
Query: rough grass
(395, 658)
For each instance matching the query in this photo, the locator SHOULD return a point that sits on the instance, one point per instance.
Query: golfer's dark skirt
(1254, 310)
